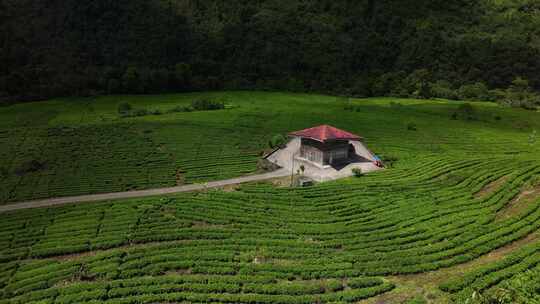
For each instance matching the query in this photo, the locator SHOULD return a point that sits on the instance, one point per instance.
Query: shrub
(124, 108)
(333, 285)
(396, 105)
(207, 105)
(477, 91)
(357, 172)
(277, 141)
(389, 160)
(532, 137)
(140, 112)
(345, 103)
(467, 110)
(443, 89)
(364, 282)
(31, 166)
(520, 94)
(412, 126)
(266, 165)
(181, 109)
(417, 84)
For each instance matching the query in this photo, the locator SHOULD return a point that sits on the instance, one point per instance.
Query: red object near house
(325, 133)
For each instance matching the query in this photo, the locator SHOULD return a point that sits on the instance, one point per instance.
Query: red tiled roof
(324, 133)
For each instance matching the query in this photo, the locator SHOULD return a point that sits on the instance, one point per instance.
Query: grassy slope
(316, 244)
(86, 148)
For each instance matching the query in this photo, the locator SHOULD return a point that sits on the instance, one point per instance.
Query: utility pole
(292, 168)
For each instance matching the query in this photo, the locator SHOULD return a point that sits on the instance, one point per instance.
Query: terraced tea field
(81, 146)
(458, 214)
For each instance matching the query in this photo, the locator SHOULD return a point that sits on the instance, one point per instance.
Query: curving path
(50, 202)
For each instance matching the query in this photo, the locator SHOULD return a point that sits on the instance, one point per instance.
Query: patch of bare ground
(282, 182)
(179, 272)
(180, 177)
(75, 256)
(491, 187)
(202, 224)
(425, 285)
(230, 188)
(520, 203)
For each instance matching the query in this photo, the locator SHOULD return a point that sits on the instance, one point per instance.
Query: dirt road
(141, 193)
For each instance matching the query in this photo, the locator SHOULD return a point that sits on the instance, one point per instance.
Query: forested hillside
(363, 48)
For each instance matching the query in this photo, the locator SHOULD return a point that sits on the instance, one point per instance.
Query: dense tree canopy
(70, 47)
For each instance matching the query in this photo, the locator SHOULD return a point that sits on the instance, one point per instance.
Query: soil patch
(75, 256)
(202, 224)
(179, 272)
(491, 187)
(230, 188)
(523, 200)
(180, 177)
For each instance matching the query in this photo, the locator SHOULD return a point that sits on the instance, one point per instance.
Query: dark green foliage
(124, 108)
(180, 109)
(443, 89)
(197, 105)
(277, 141)
(467, 111)
(357, 172)
(30, 167)
(520, 94)
(389, 160)
(417, 84)
(362, 48)
(140, 112)
(477, 91)
(411, 126)
(207, 105)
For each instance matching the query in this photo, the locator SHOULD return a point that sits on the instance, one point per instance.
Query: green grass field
(457, 214)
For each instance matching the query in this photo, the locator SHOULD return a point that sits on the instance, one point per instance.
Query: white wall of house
(361, 150)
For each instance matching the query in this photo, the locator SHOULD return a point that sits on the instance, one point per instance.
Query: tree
(417, 84)
(357, 47)
(476, 91)
(124, 108)
(182, 75)
(130, 79)
(443, 89)
(277, 141)
(519, 94)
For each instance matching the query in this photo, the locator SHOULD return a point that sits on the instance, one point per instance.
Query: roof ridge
(325, 132)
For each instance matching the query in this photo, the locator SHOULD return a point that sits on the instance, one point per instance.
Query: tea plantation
(460, 203)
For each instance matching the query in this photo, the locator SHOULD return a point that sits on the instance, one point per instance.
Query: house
(324, 153)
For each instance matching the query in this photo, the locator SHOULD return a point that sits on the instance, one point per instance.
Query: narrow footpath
(50, 202)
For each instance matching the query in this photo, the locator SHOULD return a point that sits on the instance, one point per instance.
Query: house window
(311, 154)
(338, 155)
